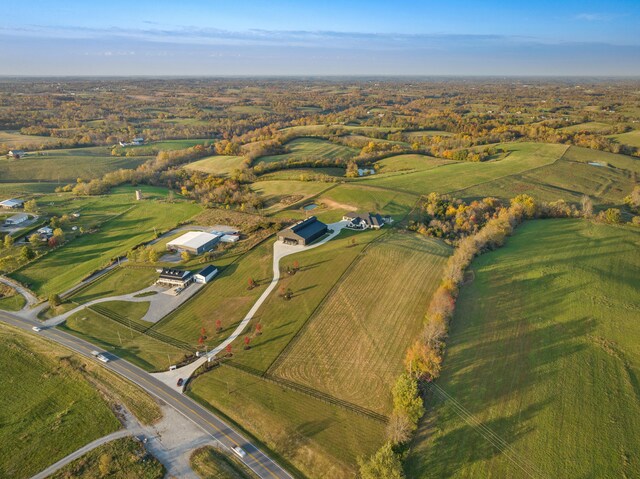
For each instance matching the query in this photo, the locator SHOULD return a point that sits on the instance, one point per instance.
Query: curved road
(255, 459)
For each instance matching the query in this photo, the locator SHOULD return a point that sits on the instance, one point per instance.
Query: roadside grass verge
(209, 463)
(124, 458)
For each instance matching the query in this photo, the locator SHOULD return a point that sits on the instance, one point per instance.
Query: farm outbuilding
(17, 219)
(206, 274)
(12, 204)
(16, 154)
(303, 232)
(195, 242)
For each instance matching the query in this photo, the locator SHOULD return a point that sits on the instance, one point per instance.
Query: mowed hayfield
(607, 181)
(311, 149)
(355, 342)
(14, 140)
(541, 373)
(522, 157)
(65, 165)
(47, 409)
(279, 194)
(220, 165)
(130, 224)
(409, 163)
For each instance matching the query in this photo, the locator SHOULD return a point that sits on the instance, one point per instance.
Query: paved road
(28, 295)
(81, 452)
(255, 459)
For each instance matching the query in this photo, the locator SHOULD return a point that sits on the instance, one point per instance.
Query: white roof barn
(12, 203)
(17, 219)
(195, 242)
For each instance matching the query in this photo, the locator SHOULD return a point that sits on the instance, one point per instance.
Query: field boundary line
(309, 391)
(296, 337)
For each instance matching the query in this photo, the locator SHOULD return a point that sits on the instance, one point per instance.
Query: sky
(320, 38)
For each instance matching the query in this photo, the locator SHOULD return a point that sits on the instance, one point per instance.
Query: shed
(12, 203)
(206, 274)
(17, 219)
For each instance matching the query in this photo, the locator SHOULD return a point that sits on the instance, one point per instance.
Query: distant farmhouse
(16, 154)
(365, 221)
(205, 275)
(45, 233)
(135, 142)
(303, 232)
(174, 277)
(16, 219)
(195, 242)
(11, 204)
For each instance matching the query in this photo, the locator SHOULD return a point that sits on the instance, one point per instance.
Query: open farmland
(409, 163)
(374, 320)
(631, 138)
(522, 157)
(279, 194)
(47, 410)
(607, 181)
(541, 373)
(65, 165)
(16, 140)
(217, 165)
(311, 149)
(131, 224)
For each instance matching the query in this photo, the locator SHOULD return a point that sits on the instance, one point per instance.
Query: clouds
(596, 17)
(159, 49)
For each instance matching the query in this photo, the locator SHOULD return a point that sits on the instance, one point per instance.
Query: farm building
(138, 141)
(16, 154)
(174, 277)
(17, 219)
(195, 242)
(364, 220)
(303, 232)
(205, 275)
(12, 203)
(230, 238)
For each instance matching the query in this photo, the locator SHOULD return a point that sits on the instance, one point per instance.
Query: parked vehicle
(180, 382)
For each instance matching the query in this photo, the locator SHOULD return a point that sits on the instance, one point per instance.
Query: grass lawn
(590, 126)
(22, 189)
(47, 411)
(142, 350)
(456, 176)
(132, 224)
(210, 463)
(11, 300)
(217, 165)
(133, 311)
(542, 365)
(123, 280)
(319, 439)
(374, 320)
(311, 149)
(124, 458)
(302, 173)
(14, 139)
(226, 298)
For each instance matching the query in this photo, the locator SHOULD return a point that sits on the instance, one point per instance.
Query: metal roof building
(12, 203)
(303, 232)
(195, 242)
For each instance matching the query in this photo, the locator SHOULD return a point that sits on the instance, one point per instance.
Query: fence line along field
(543, 358)
(355, 342)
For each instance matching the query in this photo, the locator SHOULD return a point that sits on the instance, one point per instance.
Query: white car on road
(37, 329)
(239, 451)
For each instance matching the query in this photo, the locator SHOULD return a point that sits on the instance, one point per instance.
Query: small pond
(310, 207)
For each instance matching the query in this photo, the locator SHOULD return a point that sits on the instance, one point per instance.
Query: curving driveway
(280, 250)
